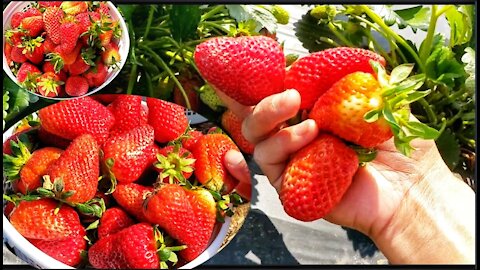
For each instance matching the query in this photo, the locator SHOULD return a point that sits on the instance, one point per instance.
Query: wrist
(435, 223)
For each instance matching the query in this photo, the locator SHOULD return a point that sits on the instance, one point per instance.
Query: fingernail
(235, 157)
(304, 128)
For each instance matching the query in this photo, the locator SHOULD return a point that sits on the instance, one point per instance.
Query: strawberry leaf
(261, 16)
(372, 116)
(449, 148)
(184, 21)
(400, 73)
(422, 130)
(388, 116)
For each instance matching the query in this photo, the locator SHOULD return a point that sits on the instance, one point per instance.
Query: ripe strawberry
(60, 58)
(96, 75)
(128, 111)
(16, 19)
(76, 86)
(48, 66)
(190, 139)
(14, 36)
(71, 118)
(112, 221)
(103, 9)
(247, 68)
(106, 99)
(32, 12)
(50, 139)
(52, 18)
(33, 50)
(210, 98)
(49, 85)
(32, 25)
(233, 125)
(316, 178)
(204, 207)
(48, 45)
(39, 219)
(175, 164)
(131, 198)
(85, 19)
(69, 32)
(8, 209)
(79, 66)
(74, 7)
(8, 53)
(25, 136)
(46, 4)
(209, 152)
(35, 168)
(68, 251)
(106, 37)
(190, 84)
(168, 119)
(111, 56)
(312, 75)
(17, 55)
(78, 168)
(28, 73)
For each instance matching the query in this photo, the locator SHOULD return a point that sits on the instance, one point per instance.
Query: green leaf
(5, 106)
(388, 116)
(184, 21)
(417, 17)
(449, 148)
(400, 73)
(18, 99)
(263, 17)
(469, 60)
(460, 25)
(422, 130)
(371, 116)
(127, 10)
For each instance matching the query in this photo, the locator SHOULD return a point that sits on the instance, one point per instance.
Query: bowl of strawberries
(62, 49)
(89, 183)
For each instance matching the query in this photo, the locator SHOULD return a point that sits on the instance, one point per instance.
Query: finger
(269, 114)
(241, 111)
(244, 190)
(272, 154)
(237, 166)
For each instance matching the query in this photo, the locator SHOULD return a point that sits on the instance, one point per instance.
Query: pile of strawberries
(62, 48)
(131, 184)
(348, 93)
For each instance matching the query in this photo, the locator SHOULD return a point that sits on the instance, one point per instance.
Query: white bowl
(123, 45)
(37, 258)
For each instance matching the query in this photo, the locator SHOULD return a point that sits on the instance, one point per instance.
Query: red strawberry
(96, 75)
(190, 84)
(85, 19)
(39, 219)
(78, 168)
(209, 152)
(35, 168)
(104, 9)
(127, 110)
(48, 45)
(60, 58)
(233, 125)
(106, 99)
(175, 164)
(131, 197)
(24, 136)
(106, 37)
(46, 4)
(112, 221)
(8, 53)
(68, 251)
(188, 140)
(48, 66)
(129, 153)
(14, 36)
(8, 209)
(50, 139)
(111, 56)
(71, 118)
(17, 55)
(312, 75)
(247, 68)
(52, 18)
(69, 32)
(204, 206)
(76, 86)
(168, 119)
(74, 7)
(49, 85)
(79, 66)
(316, 178)
(33, 50)
(33, 25)
(17, 18)
(27, 72)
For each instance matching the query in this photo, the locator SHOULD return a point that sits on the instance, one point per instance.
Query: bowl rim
(125, 49)
(20, 243)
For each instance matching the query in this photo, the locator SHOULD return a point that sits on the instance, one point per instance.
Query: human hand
(238, 168)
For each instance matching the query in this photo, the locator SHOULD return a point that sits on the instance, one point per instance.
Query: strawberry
(103, 9)
(33, 50)
(204, 207)
(8, 209)
(168, 119)
(79, 66)
(48, 66)
(14, 36)
(48, 45)
(247, 68)
(68, 251)
(317, 177)
(175, 164)
(210, 98)
(49, 85)
(50, 139)
(74, 7)
(131, 197)
(17, 55)
(233, 125)
(16, 19)
(85, 19)
(69, 32)
(36, 166)
(106, 99)
(11, 143)
(209, 152)
(190, 139)
(60, 58)
(106, 36)
(127, 110)
(45, 219)
(190, 85)
(47, 4)
(312, 75)
(32, 12)
(32, 25)
(8, 53)
(127, 154)
(96, 75)
(111, 56)
(76, 86)
(112, 221)
(71, 118)
(52, 18)
(78, 169)
(28, 74)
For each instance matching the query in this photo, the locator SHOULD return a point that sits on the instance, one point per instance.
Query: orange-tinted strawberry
(71, 118)
(49, 85)
(32, 25)
(74, 7)
(168, 119)
(131, 198)
(60, 58)
(52, 18)
(317, 177)
(78, 169)
(35, 168)
(127, 110)
(247, 69)
(129, 153)
(68, 251)
(175, 164)
(209, 152)
(76, 86)
(112, 221)
(190, 139)
(313, 74)
(110, 56)
(204, 207)
(39, 219)
(233, 125)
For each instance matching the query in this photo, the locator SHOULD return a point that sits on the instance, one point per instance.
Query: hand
(238, 168)
(379, 190)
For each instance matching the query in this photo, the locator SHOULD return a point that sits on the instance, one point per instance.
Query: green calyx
(56, 60)
(174, 165)
(30, 45)
(165, 249)
(21, 153)
(398, 91)
(49, 85)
